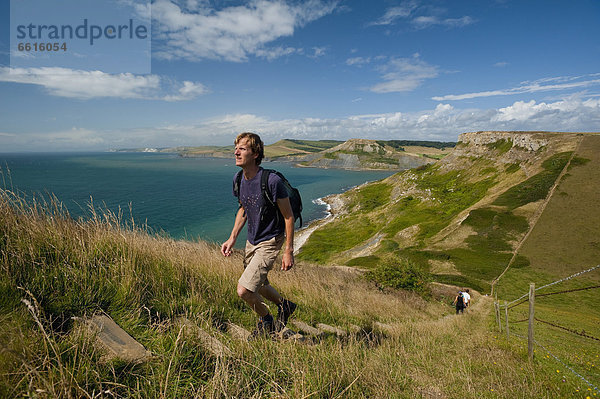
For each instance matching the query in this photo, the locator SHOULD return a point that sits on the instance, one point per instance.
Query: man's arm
(288, 253)
(240, 220)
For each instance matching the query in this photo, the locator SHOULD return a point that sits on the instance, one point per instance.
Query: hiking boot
(264, 328)
(284, 311)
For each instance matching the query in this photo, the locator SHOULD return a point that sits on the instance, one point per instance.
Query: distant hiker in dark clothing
(266, 235)
(459, 301)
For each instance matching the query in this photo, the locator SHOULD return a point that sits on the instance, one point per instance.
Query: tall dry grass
(56, 270)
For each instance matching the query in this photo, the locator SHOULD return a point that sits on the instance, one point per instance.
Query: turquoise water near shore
(186, 198)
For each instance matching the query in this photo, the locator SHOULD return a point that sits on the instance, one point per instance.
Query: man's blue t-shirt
(252, 200)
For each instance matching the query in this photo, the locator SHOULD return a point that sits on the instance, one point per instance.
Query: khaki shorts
(258, 260)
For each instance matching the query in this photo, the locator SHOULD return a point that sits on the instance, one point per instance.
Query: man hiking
(267, 232)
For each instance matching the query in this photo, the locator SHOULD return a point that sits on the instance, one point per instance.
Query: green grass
(367, 262)
(452, 193)
(487, 171)
(577, 311)
(399, 144)
(336, 237)
(536, 187)
(305, 145)
(400, 273)
(462, 281)
(370, 197)
(502, 146)
(513, 167)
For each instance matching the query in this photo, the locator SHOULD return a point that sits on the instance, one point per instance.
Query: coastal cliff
(364, 154)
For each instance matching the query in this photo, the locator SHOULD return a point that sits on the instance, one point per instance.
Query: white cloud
(188, 91)
(404, 74)
(359, 61)
(443, 123)
(64, 82)
(394, 13)
(232, 33)
(408, 11)
(65, 140)
(423, 22)
(277, 52)
(318, 52)
(547, 84)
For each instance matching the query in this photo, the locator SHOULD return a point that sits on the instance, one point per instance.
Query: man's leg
(253, 299)
(270, 293)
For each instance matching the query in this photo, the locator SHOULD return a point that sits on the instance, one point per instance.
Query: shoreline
(334, 204)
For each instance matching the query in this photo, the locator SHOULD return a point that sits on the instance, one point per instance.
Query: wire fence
(531, 319)
(556, 282)
(590, 384)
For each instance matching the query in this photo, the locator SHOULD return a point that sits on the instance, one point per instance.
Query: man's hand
(287, 260)
(226, 248)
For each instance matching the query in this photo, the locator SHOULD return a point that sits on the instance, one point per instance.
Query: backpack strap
(267, 195)
(264, 186)
(237, 181)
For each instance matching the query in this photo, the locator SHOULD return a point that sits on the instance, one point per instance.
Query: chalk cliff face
(526, 141)
(504, 148)
(364, 154)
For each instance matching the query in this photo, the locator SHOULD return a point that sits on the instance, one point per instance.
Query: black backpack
(293, 194)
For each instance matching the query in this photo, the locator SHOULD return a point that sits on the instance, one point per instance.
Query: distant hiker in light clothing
(459, 301)
(265, 235)
(467, 297)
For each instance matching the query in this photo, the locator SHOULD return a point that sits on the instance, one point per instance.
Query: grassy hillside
(376, 154)
(279, 149)
(67, 269)
(395, 154)
(460, 218)
(289, 147)
(565, 241)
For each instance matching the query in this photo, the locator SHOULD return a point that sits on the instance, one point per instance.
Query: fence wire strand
(567, 291)
(555, 282)
(561, 362)
(551, 293)
(582, 334)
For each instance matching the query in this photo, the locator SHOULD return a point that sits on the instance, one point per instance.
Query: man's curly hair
(255, 143)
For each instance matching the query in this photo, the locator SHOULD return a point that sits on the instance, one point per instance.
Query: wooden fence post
(506, 316)
(531, 319)
(497, 306)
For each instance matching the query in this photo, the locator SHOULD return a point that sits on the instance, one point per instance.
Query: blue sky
(426, 70)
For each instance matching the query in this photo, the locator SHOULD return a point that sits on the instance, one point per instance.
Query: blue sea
(186, 198)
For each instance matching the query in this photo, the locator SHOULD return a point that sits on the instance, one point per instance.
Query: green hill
(351, 154)
(461, 217)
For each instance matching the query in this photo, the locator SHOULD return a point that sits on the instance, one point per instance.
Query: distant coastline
(353, 154)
